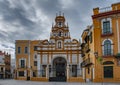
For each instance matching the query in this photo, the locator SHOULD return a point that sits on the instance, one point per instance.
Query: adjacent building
(56, 59)
(5, 65)
(101, 46)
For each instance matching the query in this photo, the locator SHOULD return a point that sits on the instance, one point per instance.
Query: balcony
(108, 53)
(87, 49)
(83, 55)
(22, 66)
(82, 45)
(86, 63)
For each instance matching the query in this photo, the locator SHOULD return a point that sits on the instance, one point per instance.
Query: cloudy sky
(32, 19)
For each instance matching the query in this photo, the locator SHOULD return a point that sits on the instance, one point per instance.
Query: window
(26, 49)
(21, 73)
(59, 34)
(108, 71)
(19, 49)
(1, 69)
(88, 70)
(35, 48)
(59, 44)
(106, 27)
(65, 34)
(35, 63)
(35, 57)
(60, 24)
(44, 70)
(107, 48)
(74, 70)
(22, 63)
(34, 74)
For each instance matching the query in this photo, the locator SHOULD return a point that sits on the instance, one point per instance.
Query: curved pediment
(108, 62)
(45, 42)
(74, 41)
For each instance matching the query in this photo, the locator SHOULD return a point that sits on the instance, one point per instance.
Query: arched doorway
(59, 69)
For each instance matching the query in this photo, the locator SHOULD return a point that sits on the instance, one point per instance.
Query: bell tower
(60, 32)
(60, 29)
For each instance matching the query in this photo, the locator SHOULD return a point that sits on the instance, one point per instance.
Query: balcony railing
(83, 55)
(105, 9)
(22, 66)
(87, 49)
(108, 52)
(86, 63)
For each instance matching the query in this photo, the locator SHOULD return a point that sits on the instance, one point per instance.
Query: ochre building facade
(56, 59)
(101, 46)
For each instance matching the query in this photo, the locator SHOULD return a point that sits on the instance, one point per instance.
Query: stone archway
(59, 69)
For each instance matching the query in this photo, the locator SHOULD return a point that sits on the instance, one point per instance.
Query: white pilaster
(78, 70)
(93, 73)
(83, 73)
(68, 72)
(29, 55)
(25, 73)
(38, 63)
(17, 74)
(47, 71)
(31, 73)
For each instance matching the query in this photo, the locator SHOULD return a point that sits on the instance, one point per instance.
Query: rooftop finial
(59, 13)
(63, 14)
(56, 14)
(52, 24)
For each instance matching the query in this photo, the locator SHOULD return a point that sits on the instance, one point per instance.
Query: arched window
(59, 44)
(107, 47)
(60, 24)
(60, 33)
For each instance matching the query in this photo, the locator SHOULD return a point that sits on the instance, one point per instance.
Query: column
(47, 72)
(4, 73)
(67, 71)
(17, 73)
(38, 64)
(25, 73)
(31, 73)
(29, 55)
(93, 73)
(78, 70)
(83, 73)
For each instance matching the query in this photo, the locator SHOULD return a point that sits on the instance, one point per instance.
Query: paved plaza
(19, 82)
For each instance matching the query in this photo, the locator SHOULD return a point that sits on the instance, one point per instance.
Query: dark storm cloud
(32, 19)
(17, 14)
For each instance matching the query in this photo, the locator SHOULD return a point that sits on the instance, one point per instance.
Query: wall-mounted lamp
(96, 54)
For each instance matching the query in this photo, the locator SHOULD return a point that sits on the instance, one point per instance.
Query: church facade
(56, 59)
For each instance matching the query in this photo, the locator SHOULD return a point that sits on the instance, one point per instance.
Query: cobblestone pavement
(19, 82)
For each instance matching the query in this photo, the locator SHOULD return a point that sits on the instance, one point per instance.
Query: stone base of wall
(107, 80)
(21, 78)
(44, 79)
(75, 79)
